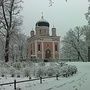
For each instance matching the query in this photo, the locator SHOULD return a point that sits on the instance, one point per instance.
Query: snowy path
(62, 84)
(80, 81)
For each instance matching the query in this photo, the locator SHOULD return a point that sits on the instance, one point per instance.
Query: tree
(74, 44)
(9, 21)
(1, 47)
(22, 44)
(87, 33)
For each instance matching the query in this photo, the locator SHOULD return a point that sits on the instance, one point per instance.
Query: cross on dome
(42, 22)
(42, 16)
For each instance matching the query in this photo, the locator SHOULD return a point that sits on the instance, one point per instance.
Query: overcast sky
(61, 14)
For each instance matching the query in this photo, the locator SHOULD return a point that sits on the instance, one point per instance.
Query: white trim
(36, 48)
(46, 41)
(59, 49)
(42, 51)
(53, 50)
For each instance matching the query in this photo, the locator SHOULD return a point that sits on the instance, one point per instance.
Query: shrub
(18, 73)
(62, 64)
(68, 70)
(17, 65)
(3, 71)
(26, 71)
(18, 76)
(12, 71)
(39, 72)
(12, 75)
(2, 75)
(41, 64)
(50, 71)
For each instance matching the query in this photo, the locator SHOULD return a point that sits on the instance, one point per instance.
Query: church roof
(42, 22)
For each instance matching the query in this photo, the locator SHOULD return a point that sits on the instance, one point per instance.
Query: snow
(79, 81)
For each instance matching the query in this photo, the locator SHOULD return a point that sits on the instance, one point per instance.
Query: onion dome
(42, 22)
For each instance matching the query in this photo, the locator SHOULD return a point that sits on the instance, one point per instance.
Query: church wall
(57, 51)
(28, 50)
(42, 30)
(41, 44)
(31, 49)
(48, 45)
(39, 52)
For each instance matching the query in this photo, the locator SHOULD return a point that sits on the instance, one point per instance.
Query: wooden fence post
(40, 80)
(14, 84)
(56, 76)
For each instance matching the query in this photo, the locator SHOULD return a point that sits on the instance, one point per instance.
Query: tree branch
(3, 34)
(2, 5)
(3, 24)
(10, 12)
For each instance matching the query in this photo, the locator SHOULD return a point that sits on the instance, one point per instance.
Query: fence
(55, 60)
(15, 82)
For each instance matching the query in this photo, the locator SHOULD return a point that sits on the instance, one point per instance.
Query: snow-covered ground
(79, 81)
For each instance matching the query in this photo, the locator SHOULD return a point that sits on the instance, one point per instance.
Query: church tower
(42, 45)
(42, 27)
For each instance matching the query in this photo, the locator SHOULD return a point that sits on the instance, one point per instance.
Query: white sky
(62, 15)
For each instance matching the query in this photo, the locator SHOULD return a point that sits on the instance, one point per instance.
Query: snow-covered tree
(10, 19)
(1, 47)
(18, 47)
(74, 45)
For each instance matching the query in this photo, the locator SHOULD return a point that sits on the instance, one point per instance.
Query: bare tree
(9, 21)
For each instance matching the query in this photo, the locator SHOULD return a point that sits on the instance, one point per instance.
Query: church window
(31, 45)
(31, 52)
(40, 31)
(47, 45)
(56, 48)
(38, 47)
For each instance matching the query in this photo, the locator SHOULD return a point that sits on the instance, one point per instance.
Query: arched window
(39, 47)
(48, 54)
(31, 45)
(56, 47)
(31, 52)
(40, 31)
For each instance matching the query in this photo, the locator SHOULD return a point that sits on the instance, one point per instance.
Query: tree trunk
(79, 55)
(7, 48)
(88, 53)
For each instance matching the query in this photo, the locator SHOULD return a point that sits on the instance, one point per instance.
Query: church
(42, 45)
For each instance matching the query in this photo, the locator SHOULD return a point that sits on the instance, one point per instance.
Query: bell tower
(42, 27)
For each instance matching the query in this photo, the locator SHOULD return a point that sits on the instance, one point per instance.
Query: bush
(26, 71)
(39, 72)
(18, 76)
(50, 71)
(68, 70)
(62, 64)
(18, 73)
(41, 64)
(2, 75)
(17, 65)
(72, 69)
(12, 75)
(3, 71)
(12, 71)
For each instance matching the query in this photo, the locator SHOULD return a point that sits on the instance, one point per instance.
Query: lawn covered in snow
(79, 81)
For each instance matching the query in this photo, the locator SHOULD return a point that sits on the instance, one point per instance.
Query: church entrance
(48, 54)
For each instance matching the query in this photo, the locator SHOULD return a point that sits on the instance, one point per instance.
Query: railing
(40, 78)
(53, 60)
